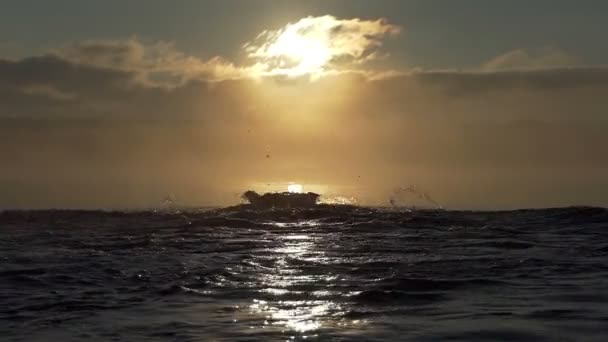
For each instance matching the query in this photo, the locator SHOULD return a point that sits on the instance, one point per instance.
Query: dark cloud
(55, 70)
(545, 57)
(532, 79)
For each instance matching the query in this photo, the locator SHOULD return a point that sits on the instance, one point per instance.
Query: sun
(295, 188)
(317, 46)
(302, 48)
(301, 53)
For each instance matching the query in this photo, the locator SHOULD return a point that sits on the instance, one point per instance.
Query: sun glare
(295, 188)
(306, 54)
(317, 45)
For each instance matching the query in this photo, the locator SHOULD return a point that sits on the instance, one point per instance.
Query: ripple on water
(326, 274)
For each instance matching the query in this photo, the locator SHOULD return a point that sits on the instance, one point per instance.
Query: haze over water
(484, 105)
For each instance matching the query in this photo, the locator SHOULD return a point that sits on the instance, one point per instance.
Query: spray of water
(170, 205)
(338, 200)
(411, 197)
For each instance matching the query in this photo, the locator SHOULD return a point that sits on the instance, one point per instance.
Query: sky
(438, 34)
(479, 104)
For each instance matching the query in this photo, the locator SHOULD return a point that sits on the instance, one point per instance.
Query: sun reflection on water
(293, 298)
(298, 224)
(297, 316)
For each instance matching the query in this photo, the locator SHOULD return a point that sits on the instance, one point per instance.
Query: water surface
(331, 273)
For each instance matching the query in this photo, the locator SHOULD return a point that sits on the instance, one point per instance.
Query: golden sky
(115, 123)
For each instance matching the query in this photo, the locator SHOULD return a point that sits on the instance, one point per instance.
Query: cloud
(48, 91)
(546, 57)
(131, 79)
(541, 79)
(318, 44)
(314, 45)
(55, 86)
(159, 64)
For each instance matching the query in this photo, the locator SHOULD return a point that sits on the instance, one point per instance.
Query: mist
(76, 136)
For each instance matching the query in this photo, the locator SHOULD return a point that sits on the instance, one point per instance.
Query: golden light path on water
(312, 310)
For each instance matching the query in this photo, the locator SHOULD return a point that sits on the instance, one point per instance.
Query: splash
(412, 197)
(338, 200)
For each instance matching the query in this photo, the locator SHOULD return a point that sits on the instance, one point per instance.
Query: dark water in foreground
(328, 274)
